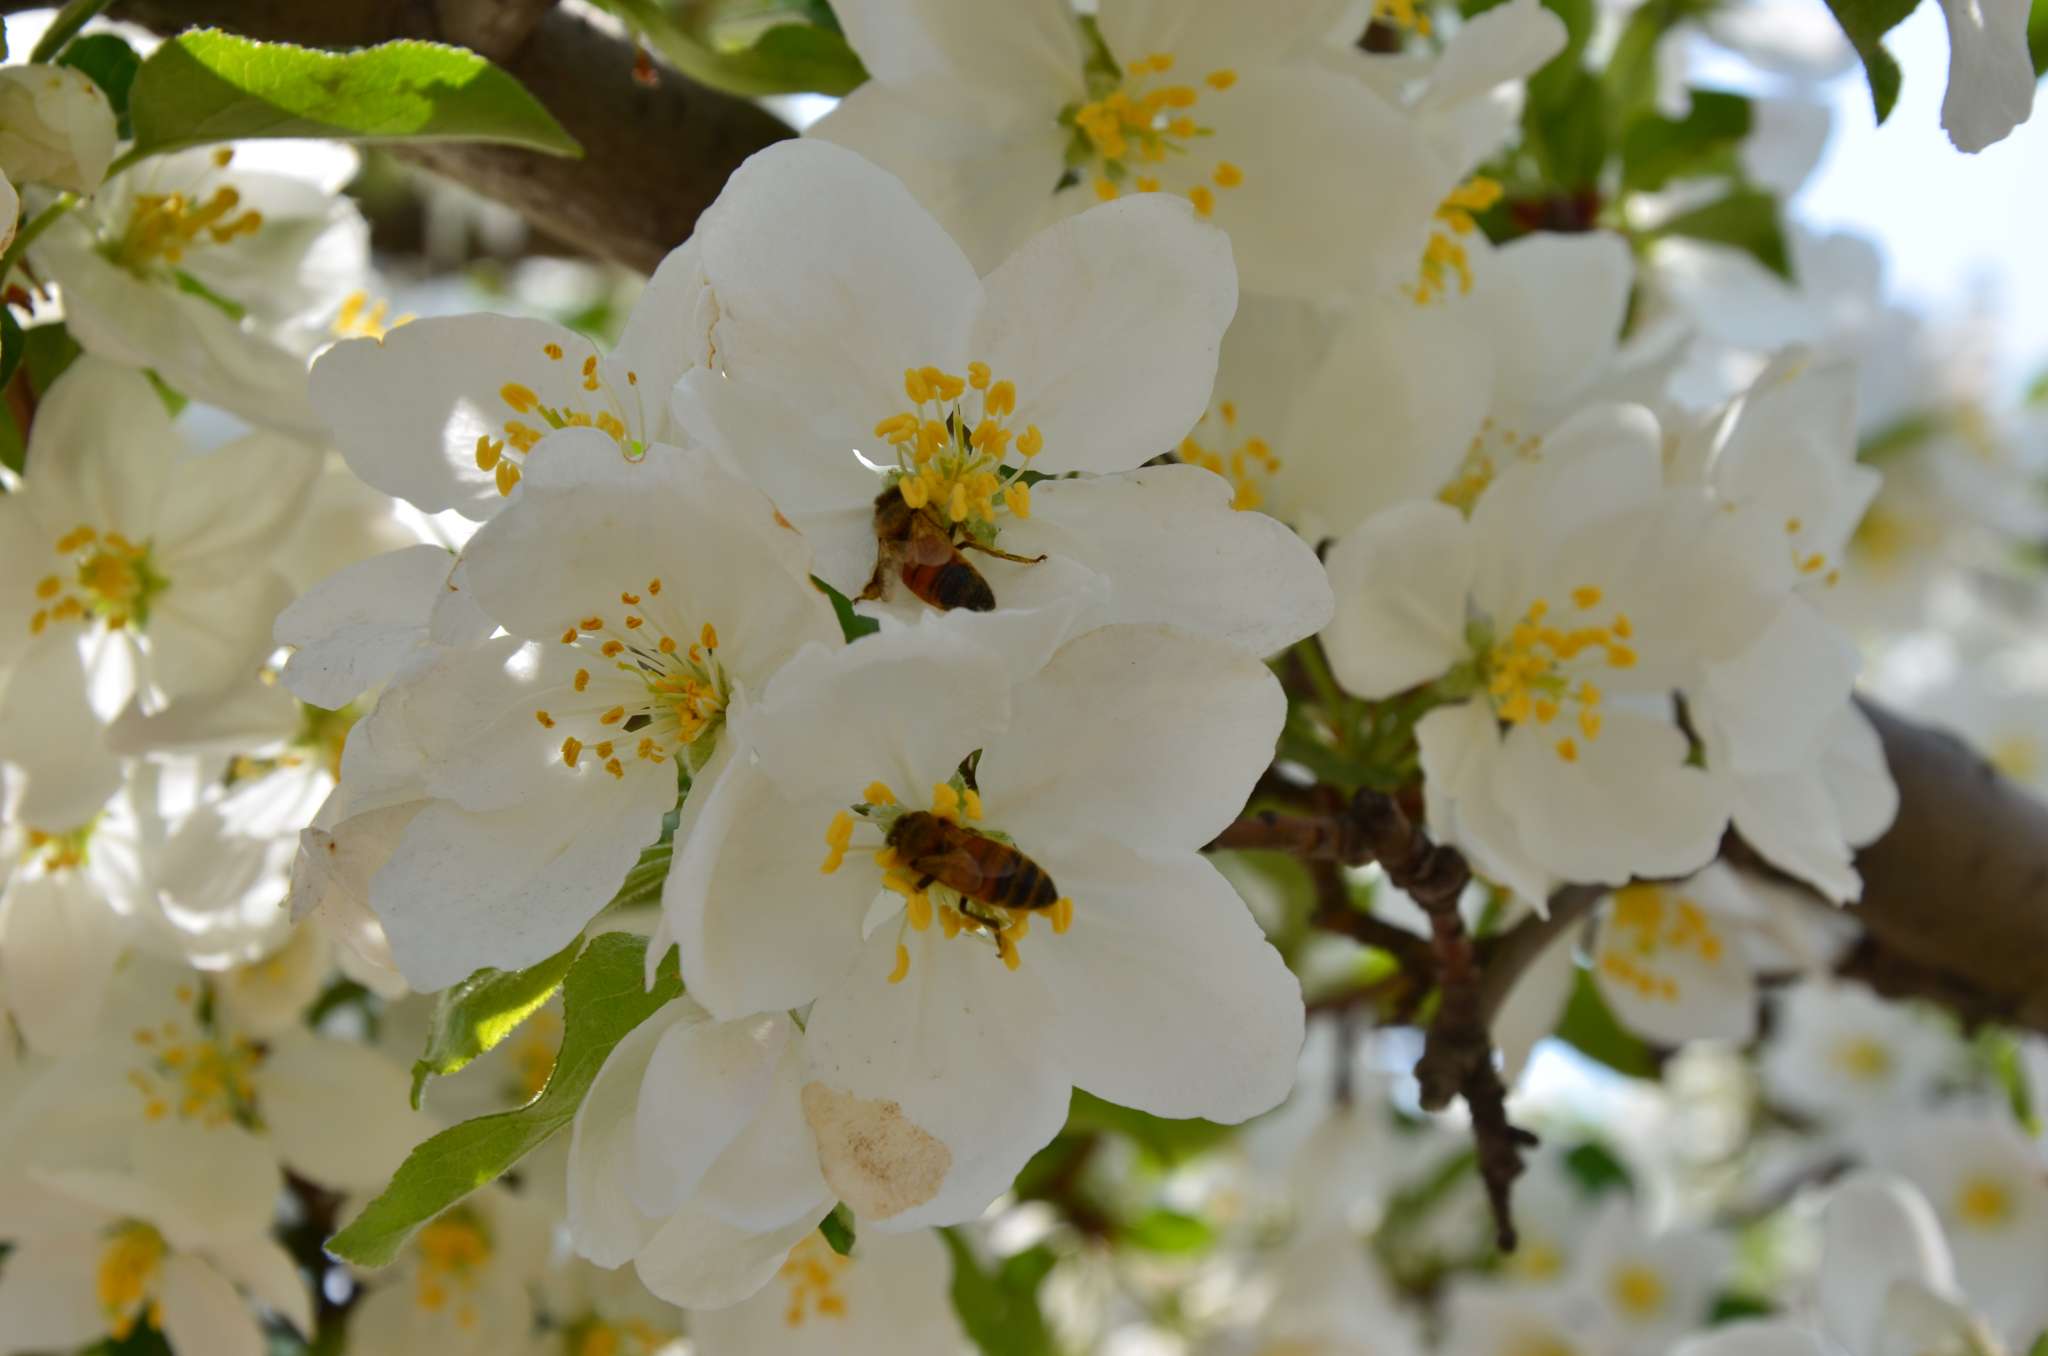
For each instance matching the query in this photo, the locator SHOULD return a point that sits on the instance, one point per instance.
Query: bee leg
(876, 582)
(972, 545)
(925, 883)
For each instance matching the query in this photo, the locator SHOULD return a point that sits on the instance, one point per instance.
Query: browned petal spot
(875, 1158)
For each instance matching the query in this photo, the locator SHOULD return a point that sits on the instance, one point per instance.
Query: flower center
(1984, 1203)
(59, 851)
(1444, 257)
(164, 226)
(644, 689)
(632, 1337)
(619, 418)
(1246, 461)
(1492, 447)
(362, 318)
(2017, 754)
(1637, 1290)
(453, 1251)
(129, 1263)
(972, 880)
(1646, 923)
(1136, 124)
(204, 1078)
(951, 450)
(812, 1271)
(1402, 14)
(1864, 1058)
(1530, 673)
(112, 579)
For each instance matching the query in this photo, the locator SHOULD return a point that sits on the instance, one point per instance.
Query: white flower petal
(337, 1112)
(831, 281)
(222, 510)
(202, 1314)
(1013, 62)
(1400, 581)
(1099, 746)
(604, 1225)
(1990, 79)
(1877, 1232)
(924, 1122)
(509, 888)
(1210, 33)
(58, 948)
(202, 639)
(703, 1085)
(1109, 323)
(1175, 551)
(59, 771)
(1165, 995)
(49, 1297)
(1671, 967)
(1555, 305)
(262, 1267)
(769, 1175)
(354, 628)
(700, 1262)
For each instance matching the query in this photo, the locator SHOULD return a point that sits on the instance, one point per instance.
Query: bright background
(1955, 228)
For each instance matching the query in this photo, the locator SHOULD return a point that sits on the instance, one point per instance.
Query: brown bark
(654, 155)
(1955, 894)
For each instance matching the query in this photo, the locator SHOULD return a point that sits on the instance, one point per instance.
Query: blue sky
(1949, 223)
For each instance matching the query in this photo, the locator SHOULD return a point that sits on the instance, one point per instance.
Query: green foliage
(748, 49)
(837, 1228)
(1167, 1142)
(1588, 1026)
(475, 1015)
(1733, 1306)
(10, 346)
(1169, 1232)
(44, 352)
(1865, 22)
(603, 998)
(109, 62)
(643, 883)
(999, 1306)
(73, 16)
(1746, 219)
(1597, 1170)
(851, 624)
(1655, 150)
(2037, 36)
(206, 86)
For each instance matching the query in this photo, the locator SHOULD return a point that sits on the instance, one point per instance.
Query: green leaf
(643, 883)
(1746, 219)
(1732, 1306)
(1567, 132)
(12, 344)
(48, 350)
(1169, 1142)
(851, 624)
(837, 1228)
(2037, 36)
(108, 61)
(1705, 141)
(1169, 1232)
(999, 1309)
(206, 86)
(1588, 1025)
(1865, 22)
(1596, 1170)
(74, 16)
(473, 1016)
(604, 998)
(787, 56)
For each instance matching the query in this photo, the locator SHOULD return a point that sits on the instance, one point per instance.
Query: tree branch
(654, 155)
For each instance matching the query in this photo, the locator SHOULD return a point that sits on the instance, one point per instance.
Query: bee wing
(928, 544)
(954, 866)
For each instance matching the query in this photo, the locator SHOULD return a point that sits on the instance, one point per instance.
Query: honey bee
(920, 548)
(978, 866)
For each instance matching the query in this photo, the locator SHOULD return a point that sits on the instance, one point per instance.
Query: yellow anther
(915, 386)
(946, 801)
(1586, 596)
(877, 793)
(487, 452)
(1568, 750)
(1220, 80)
(978, 375)
(520, 398)
(1062, 914)
(956, 503)
(708, 636)
(1227, 175)
(553, 350)
(507, 476)
(1203, 199)
(902, 964)
(547, 722)
(917, 910)
(572, 749)
(1620, 657)
(838, 836)
(1030, 442)
(1984, 1202)
(1002, 398)
(970, 800)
